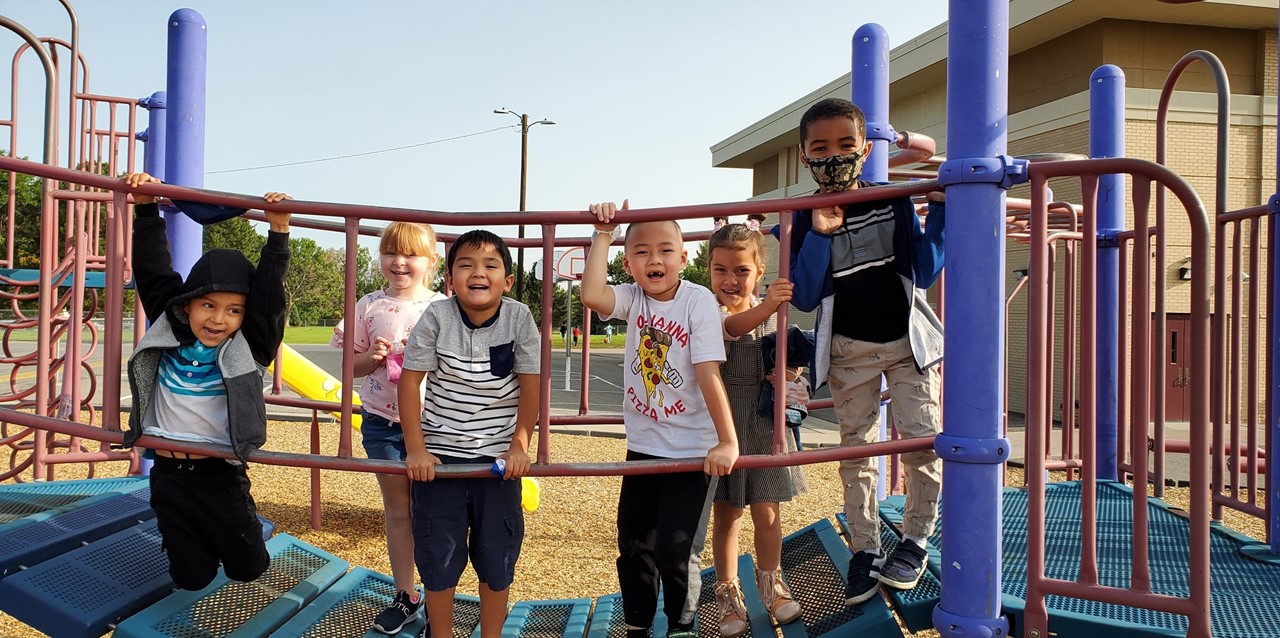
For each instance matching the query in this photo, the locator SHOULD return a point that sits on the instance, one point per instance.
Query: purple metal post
(154, 138)
(1106, 139)
(154, 141)
(972, 445)
(184, 150)
(870, 83)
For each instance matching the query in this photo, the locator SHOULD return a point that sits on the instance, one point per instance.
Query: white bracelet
(611, 234)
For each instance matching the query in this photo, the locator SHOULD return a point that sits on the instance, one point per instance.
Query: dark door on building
(1177, 374)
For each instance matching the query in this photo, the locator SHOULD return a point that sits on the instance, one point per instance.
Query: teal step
(548, 618)
(347, 609)
(84, 592)
(815, 560)
(40, 537)
(298, 574)
(914, 606)
(44, 499)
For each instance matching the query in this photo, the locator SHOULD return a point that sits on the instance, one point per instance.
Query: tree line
(314, 283)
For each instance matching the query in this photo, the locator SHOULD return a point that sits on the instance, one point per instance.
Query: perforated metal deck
(33, 539)
(25, 500)
(1243, 603)
(298, 573)
(915, 606)
(347, 609)
(815, 560)
(548, 618)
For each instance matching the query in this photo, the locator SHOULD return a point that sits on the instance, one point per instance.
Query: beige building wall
(1049, 114)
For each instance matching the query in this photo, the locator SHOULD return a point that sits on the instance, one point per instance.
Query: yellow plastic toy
(309, 380)
(530, 493)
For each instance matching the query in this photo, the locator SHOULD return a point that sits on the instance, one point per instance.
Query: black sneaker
(398, 614)
(863, 582)
(905, 565)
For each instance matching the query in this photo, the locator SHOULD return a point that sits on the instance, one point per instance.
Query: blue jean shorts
(457, 519)
(382, 438)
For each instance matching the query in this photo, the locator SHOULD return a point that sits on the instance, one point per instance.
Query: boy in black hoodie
(196, 376)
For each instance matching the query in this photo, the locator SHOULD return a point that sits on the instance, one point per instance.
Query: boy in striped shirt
(479, 352)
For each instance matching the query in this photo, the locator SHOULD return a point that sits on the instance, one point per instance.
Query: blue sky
(639, 90)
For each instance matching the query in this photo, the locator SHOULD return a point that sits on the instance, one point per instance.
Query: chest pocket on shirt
(502, 359)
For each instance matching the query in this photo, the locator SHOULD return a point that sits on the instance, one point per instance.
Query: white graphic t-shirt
(663, 408)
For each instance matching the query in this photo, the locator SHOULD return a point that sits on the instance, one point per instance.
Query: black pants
(206, 517)
(662, 525)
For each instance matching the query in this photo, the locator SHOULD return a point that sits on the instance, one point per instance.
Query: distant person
(576, 333)
(564, 333)
(674, 407)
(196, 376)
(608, 332)
(479, 352)
(866, 266)
(384, 319)
(736, 264)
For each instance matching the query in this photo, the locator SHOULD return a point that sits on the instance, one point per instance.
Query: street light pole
(524, 176)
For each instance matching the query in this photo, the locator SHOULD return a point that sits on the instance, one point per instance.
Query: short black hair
(479, 239)
(832, 108)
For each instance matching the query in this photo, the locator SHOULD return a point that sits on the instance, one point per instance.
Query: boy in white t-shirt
(674, 406)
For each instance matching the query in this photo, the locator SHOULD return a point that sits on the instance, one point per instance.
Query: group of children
(465, 367)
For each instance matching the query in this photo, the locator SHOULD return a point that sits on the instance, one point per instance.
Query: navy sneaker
(905, 566)
(863, 581)
(398, 614)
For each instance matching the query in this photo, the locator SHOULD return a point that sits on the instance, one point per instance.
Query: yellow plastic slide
(312, 382)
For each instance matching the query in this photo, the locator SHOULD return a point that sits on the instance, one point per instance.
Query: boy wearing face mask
(865, 267)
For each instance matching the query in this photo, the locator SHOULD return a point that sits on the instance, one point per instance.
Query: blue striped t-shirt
(190, 398)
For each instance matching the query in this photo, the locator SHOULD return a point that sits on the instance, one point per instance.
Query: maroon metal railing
(1087, 586)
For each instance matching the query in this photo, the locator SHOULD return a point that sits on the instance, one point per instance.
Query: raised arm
(596, 293)
(929, 250)
(264, 318)
(153, 274)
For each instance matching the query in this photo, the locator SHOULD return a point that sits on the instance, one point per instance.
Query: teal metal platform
(43, 499)
(1243, 602)
(815, 560)
(548, 618)
(40, 537)
(347, 609)
(914, 606)
(227, 608)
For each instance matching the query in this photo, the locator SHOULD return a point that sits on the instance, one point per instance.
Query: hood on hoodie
(219, 270)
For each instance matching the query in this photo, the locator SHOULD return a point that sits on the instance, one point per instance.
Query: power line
(339, 157)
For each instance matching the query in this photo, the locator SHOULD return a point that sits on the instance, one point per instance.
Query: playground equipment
(973, 595)
(312, 382)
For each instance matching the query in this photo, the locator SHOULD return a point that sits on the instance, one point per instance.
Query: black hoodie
(242, 357)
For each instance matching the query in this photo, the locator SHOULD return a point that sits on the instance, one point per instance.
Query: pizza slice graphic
(652, 362)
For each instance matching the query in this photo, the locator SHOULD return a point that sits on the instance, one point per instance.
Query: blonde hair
(411, 238)
(738, 237)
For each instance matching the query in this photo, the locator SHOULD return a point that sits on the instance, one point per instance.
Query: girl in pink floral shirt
(384, 319)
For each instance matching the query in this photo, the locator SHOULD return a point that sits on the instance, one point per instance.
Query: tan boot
(776, 597)
(733, 611)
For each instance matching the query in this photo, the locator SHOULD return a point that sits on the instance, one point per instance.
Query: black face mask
(838, 172)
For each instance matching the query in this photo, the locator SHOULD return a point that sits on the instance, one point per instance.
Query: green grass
(308, 335)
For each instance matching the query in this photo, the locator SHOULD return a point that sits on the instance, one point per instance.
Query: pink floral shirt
(379, 315)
